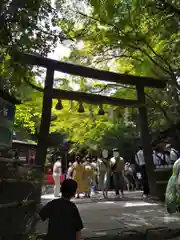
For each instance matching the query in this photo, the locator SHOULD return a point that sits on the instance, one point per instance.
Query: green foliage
(127, 36)
(132, 37)
(28, 114)
(121, 136)
(28, 26)
(126, 31)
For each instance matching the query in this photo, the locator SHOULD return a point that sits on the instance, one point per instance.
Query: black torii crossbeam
(50, 93)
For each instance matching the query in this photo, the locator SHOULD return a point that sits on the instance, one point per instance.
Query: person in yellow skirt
(78, 174)
(88, 177)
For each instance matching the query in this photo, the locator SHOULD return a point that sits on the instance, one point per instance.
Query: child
(64, 220)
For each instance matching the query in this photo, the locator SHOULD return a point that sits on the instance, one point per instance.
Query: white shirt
(128, 169)
(167, 159)
(173, 155)
(158, 158)
(155, 159)
(57, 171)
(139, 158)
(94, 165)
(69, 171)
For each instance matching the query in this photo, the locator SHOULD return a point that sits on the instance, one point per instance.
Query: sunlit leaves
(28, 113)
(27, 26)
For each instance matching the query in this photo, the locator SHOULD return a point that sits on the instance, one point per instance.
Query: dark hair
(88, 158)
(68, 188)
(167, 153)
(78, 157)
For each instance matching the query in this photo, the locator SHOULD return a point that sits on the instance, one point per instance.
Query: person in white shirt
(174, 154)
(57, 171)
(167, 159)
(156, 160)
(139, 157)
(159, 158)
(140, 161)
(69, 171)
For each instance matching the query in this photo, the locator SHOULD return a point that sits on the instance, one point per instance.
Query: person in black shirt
(64, 219)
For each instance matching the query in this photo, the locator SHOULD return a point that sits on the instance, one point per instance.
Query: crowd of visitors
(162, 157)
(104, 173)
(165, 157)
(92, 174)
(89, 172)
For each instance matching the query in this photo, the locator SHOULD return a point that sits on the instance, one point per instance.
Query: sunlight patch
(101, 233)
(139, 204)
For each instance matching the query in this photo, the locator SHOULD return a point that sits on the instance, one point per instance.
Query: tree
(28, 114)
(130, 37)
(170, 7)
(28, 26)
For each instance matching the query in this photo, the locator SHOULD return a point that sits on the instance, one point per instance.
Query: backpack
(162, 160)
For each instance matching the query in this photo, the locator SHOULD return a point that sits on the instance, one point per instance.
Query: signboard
(7, 112)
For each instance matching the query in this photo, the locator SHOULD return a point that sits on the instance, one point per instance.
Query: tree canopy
(129, 36)
(28, 26)
(126, 36)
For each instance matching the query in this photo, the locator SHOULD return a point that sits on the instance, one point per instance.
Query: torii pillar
(146, 139)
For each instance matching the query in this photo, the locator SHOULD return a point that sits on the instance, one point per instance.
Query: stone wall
(162, 176)
(20, 189)
(142, 234)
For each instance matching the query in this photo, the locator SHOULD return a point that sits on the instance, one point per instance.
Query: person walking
(95, 179)
(63, 215)
(104, 173)
(69, 171)
(140, 161)
(129, 177)
(78, 174)
(57, 171)
(117, 168)
(88, 177)
(173, 153)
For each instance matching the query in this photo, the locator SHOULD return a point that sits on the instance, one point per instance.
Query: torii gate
(50, 93)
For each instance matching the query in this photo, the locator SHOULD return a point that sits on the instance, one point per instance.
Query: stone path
(131, 215)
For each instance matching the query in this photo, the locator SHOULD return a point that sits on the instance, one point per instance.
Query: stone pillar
(146, 139)
(45, 119)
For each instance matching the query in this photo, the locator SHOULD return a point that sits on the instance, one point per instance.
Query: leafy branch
(147, 95)
(111, 57)
(166, 5)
